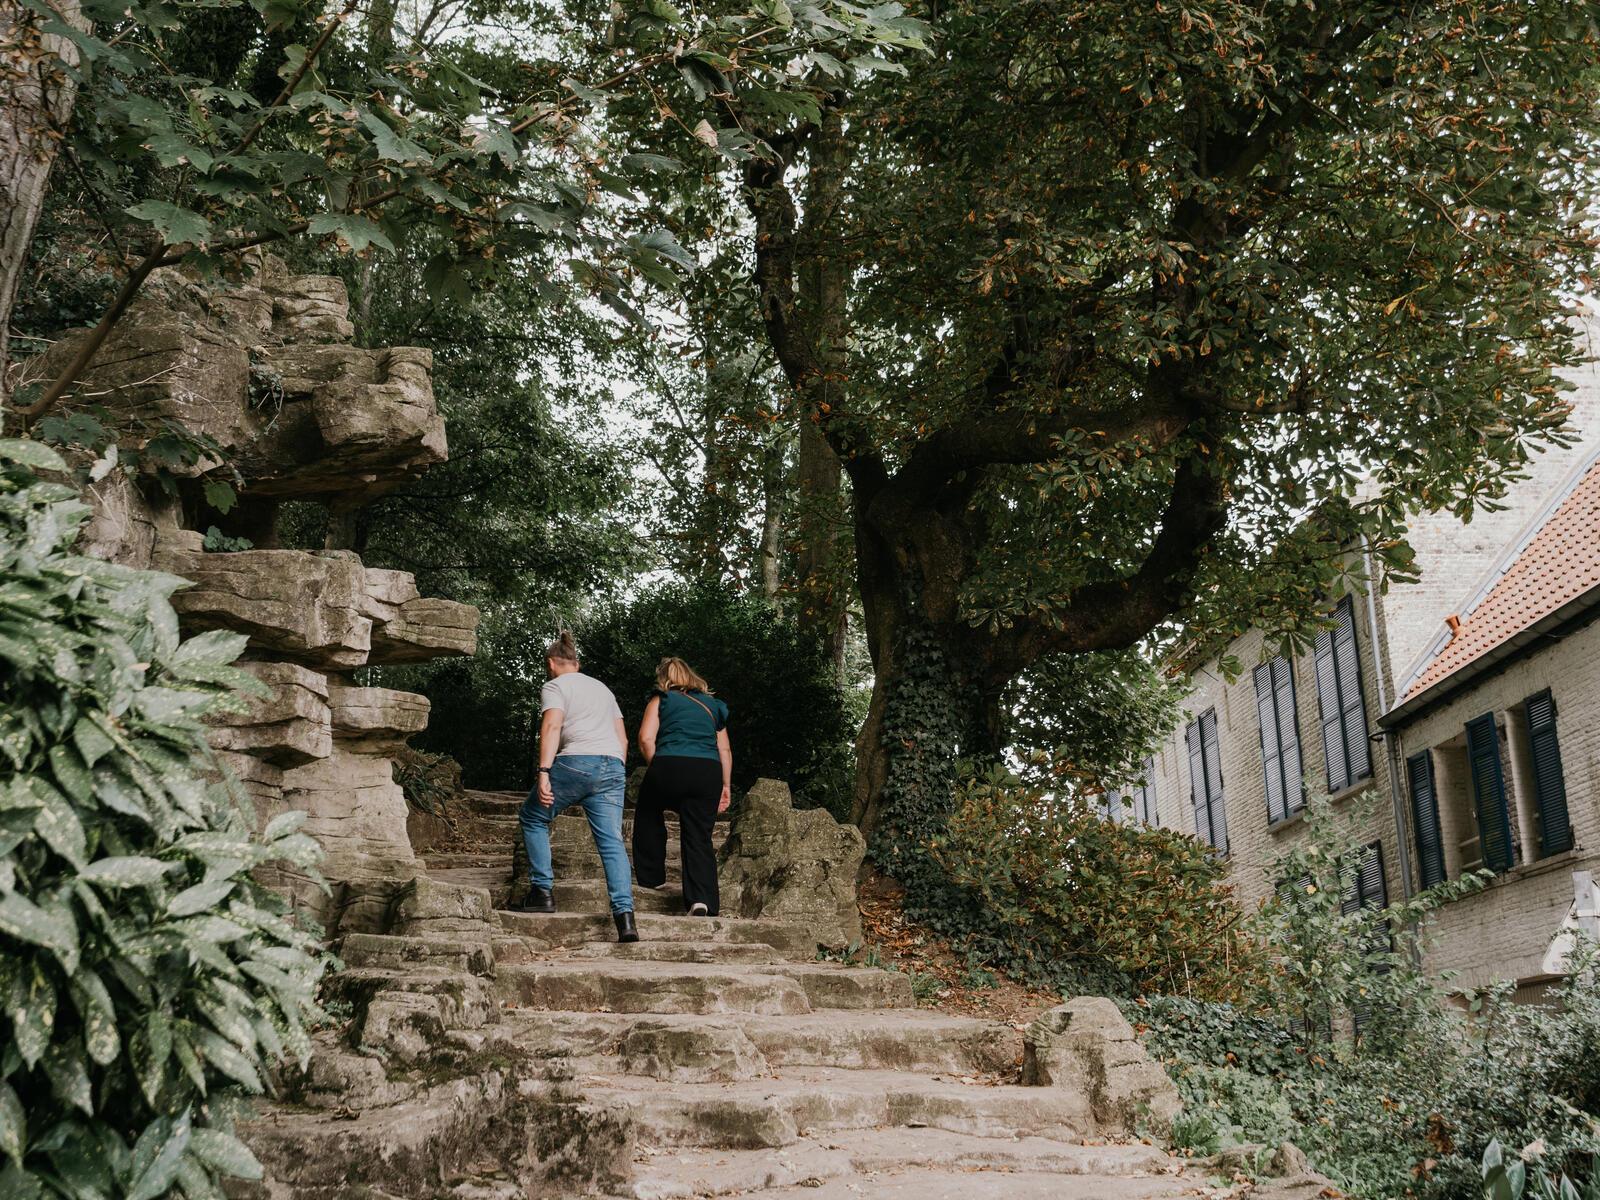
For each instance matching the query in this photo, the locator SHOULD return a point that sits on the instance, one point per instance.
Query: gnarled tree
(1136, 294)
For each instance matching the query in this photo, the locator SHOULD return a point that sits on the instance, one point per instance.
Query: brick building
(1456, 721)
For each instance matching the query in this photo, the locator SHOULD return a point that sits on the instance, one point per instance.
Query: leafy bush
(1055, 894)
(1406, 1100)
(147, 982)
(429, 781)
(791, 718)
(1515, 1178)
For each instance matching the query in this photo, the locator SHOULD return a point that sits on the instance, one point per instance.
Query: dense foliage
(1126, 300)
(1362, 1060)
(146, 980)
(791, 718)
(1050, 891)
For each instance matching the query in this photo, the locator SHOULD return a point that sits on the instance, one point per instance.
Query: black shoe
(538, 900)
(627, 931)
(699, 910)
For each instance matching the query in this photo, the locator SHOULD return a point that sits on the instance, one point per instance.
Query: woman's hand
(727, 799)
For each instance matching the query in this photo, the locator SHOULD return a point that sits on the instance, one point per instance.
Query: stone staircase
(495, 1055)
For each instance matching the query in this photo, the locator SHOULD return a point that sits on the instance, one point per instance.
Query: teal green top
(689, 724)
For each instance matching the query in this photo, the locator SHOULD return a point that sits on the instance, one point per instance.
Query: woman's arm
(648, 728)
(725, 752)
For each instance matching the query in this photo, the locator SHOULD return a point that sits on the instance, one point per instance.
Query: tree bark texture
(819, 476)
(36, 99)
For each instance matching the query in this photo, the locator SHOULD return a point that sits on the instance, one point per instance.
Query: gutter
(1572, 615)
(1389, 737)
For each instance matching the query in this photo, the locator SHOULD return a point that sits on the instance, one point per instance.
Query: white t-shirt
(589, 714)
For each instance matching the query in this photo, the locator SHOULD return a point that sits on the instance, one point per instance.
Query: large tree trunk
(772, 522)
(36, 98)
(818, 473)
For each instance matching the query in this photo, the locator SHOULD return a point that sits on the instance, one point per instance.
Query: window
(1205, 780)
(1144, 796)
(1549, 785)
(1113, 806)
(1280, 738)
(1344, 712)
(1425, 818)
(1368, 888)
(1495, 844)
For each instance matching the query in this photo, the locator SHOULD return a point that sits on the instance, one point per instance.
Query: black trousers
(690, 787)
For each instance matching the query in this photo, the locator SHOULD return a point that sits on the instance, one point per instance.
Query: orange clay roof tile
(1559, 563)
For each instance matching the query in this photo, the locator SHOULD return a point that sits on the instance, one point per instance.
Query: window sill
(1544, 866)
(1297, 817)
(1355, 789)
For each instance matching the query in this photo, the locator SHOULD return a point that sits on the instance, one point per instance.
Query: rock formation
(262, 376)
(798, 866)
(1087, 1045)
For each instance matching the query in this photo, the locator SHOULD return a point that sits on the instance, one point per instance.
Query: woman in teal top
(684, 738)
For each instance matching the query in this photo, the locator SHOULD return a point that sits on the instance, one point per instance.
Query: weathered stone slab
(372, 712)
(1087, 1046)
(287, 727)
(305, 607)
(425, 629)
(797, 866)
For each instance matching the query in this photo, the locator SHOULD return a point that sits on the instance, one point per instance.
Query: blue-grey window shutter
(1197, 783)
(1149, 811)
(1271, 747)
(1330, 712)
(1489, 792)
(1213, 757)
(1289, 735)
(1425, 818)
(1549, 784)
(1353, 704)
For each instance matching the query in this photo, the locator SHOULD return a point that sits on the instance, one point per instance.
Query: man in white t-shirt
(583, 750)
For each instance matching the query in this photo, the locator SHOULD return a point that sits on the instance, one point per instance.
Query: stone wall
(265, 369)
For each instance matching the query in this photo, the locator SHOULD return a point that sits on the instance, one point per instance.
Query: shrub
(1406, 1101)
(1058, 895)
(146, 982)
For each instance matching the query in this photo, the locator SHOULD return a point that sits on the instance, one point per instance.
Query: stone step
(644, 950)
(778, 1110)
(858, 1040)
(992, 1184)
(650, 987)
(546, 931)
(678, 1173)
(578, 893)
(567, 862)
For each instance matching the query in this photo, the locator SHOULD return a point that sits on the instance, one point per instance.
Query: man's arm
(622, 739)
(549, 743)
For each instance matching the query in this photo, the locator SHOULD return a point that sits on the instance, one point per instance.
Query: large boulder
(1088, 1046)
(797, 866)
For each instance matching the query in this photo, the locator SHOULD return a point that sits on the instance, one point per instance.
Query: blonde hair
(673, 672)
(563, 649)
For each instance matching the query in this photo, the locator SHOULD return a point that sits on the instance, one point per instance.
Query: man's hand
(546, 796)
(727, 799)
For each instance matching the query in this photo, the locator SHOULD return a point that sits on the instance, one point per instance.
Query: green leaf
(69, 1076)
(31, 454)
(391, 145)
(199, 898)
(125, 871)
(356, 232)
(226, 1154)
(156, 1156)
(177, 226)
(56, 823)
(53, 929)
(99, 1013)
(91, 741)
(220, 496)
(13, 1124)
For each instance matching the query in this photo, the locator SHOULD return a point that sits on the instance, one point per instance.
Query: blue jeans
(596, 781)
